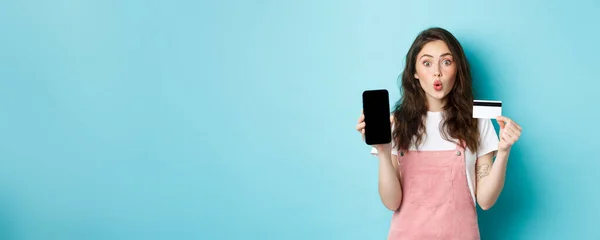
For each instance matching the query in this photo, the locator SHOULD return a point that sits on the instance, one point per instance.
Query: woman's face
(436, 70)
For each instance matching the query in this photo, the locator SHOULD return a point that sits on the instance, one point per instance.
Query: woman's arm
(390, 190)
(490, 178)
(491, 174)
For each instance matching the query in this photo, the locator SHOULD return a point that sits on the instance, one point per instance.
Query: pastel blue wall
(235, 119)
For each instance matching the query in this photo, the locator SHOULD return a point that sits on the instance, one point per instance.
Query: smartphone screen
(376, 108)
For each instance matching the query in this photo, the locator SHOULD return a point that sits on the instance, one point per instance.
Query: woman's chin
(437, 95)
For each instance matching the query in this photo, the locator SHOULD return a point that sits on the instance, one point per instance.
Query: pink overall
(436, 201)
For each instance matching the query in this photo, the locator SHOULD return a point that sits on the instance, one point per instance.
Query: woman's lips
(437, 85)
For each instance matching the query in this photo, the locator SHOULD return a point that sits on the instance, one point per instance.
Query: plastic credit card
(487, 109)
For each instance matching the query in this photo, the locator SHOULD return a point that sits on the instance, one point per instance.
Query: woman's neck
(435, 105)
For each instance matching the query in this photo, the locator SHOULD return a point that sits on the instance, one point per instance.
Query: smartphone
(376, 108)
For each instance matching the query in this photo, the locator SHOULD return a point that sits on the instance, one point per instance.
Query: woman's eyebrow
(443, 55)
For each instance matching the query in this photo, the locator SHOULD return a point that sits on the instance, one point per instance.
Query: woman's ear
(416, 76)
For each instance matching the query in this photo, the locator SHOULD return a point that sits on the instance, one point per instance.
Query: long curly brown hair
(411, 110)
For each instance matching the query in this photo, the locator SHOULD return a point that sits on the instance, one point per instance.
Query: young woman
(440, 162)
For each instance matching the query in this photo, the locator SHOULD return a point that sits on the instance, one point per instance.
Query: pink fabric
(436, 201)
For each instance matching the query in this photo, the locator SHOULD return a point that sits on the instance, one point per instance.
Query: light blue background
(235, 119)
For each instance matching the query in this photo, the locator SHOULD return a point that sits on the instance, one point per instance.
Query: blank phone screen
(376, 108)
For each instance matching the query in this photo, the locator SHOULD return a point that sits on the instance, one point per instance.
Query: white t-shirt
(433, 141)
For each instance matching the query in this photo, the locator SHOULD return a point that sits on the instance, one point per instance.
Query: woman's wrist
(384, 148)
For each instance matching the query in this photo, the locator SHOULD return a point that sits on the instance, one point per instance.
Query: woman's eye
(426, 63)
(447, 62)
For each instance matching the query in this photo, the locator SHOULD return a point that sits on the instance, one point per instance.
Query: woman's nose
(437, 72)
